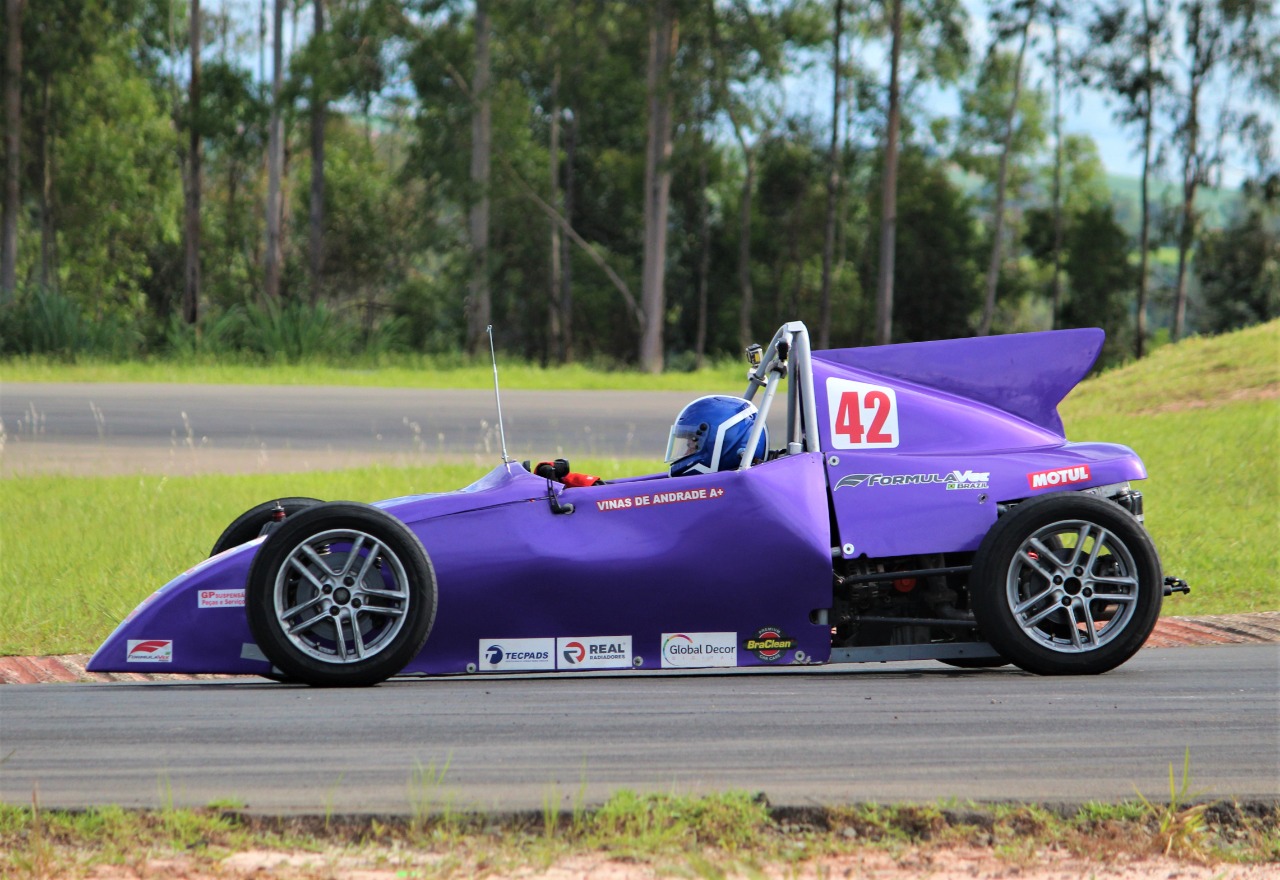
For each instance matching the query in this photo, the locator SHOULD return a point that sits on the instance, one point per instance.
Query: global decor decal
(149, 651)
(697, 649)
(594, 652)
(516, 655)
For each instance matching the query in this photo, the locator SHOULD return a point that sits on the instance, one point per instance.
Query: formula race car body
(924, 504)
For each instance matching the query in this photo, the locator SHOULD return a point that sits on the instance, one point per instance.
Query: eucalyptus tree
(1128, 58)
(274, 256)
(928, 43)
(1226, 39)
(12, 146)
(1016, 22)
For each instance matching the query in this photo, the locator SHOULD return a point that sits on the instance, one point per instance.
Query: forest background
(627, 183)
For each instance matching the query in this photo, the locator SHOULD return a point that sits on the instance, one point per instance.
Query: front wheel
(341, 594)
(250, 524)
(1067, 584)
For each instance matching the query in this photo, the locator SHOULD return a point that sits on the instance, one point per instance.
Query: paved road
(911, 731)
(86, 427)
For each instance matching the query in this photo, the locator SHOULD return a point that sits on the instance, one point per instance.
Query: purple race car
(923, 504)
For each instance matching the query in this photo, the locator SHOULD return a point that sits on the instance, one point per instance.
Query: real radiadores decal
(149, 651)
(596, 652)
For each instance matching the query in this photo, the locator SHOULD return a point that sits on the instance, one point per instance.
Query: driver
(711, 434)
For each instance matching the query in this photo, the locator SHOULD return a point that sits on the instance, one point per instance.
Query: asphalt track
(917, 731)
(89, 427)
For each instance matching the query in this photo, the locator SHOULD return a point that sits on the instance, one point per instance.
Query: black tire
(248, 525)
(1038, 582)
(341, 595)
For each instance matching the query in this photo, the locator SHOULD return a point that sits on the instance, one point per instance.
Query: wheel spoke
(1034, 600)
(1031, 622)
(353, 554)
(308, 623)
(1081, 537)
(1117, 581)
(1091, 630)
(374, 552)
(297, 565)
(396, 595)
(1118, 598)
(1041, 564)
(341, 642)
(315, 558)
(298, 609)
(384, 611)
(1073, 625)
(1100, 540)
(356, 636)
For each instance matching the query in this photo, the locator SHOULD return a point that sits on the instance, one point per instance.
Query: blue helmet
(711, 434)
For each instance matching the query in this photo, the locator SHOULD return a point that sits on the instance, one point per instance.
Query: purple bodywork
(918, 444)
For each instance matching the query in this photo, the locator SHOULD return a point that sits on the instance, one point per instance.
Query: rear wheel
(249, 524)
(342, 594)
(1067, 584)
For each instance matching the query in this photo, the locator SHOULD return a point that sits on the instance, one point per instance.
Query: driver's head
(711, 435)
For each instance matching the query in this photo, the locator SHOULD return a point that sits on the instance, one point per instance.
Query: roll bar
(788, 355)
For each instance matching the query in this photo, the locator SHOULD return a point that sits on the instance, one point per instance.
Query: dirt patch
(1224, 629)
(1266, 392)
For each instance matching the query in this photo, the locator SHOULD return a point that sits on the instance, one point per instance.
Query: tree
(833, 166)
(1124, 60)
(478, 302)
(664, 37)
(194, 179)
(889, 187)
(275, 160)
(1002, 176)
(12, 143)
(1239, 266)
(315, 217)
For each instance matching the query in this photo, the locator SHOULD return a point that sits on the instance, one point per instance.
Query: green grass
(718, 835)
(78, 553)
(394, 372)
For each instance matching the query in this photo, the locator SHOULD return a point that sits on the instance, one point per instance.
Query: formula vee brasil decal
(956, 479)
(150, 650)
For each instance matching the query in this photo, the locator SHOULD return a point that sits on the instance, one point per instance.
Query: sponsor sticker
(769, 644)
(516, 654)
(692, 650)
(956, 479)
(655, 499)
(220, 599)
(1059, 477)
(594, 652)
(862, 416)
(149, 651)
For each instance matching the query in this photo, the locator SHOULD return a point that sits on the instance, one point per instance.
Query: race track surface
(916, 731)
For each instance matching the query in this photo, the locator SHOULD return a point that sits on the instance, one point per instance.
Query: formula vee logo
(596, 652)
(516, 654)
(149, 651)
(1059, 477)
(956, 479)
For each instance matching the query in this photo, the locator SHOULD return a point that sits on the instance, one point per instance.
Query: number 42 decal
(862, 416)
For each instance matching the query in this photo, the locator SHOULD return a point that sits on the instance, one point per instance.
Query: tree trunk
(663, 37)
(315, 222)
(833, 186)
(12, 142)
(704, 254)
(566, 252)
(1002, 180)
(1056, 294)
(48, 236)
(1144, 233)
(889, 192)
(1190, 169)
(555, 339)
(478, 302)
(275, 158)
(191, 288)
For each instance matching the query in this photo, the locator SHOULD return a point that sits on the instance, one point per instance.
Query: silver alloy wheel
(1072, 586)
(341, 596)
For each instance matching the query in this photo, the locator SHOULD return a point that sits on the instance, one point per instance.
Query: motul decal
(150, 651)
(1059, 477)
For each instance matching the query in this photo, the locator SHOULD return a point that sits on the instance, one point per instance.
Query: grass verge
(708, 836)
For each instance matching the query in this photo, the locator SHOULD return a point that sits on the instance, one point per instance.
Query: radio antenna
(502, 434)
